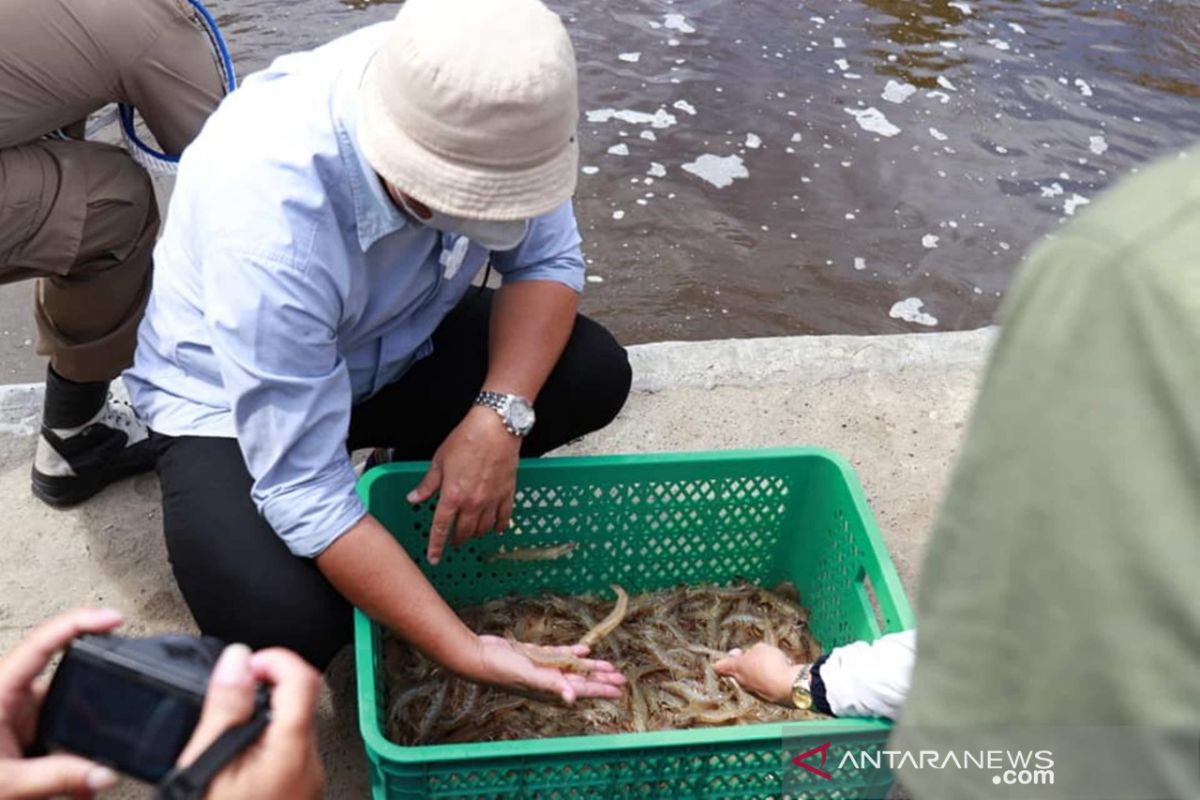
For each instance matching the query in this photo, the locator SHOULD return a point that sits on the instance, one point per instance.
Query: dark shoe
(72, 464)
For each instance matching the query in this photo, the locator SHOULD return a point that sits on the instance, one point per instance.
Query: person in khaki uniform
(80, 216)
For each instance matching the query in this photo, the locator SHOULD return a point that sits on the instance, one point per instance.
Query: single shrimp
(533, 553)
(609, 623)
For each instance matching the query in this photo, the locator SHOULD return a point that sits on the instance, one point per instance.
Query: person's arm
(274, 332)
(370, 568)
(862, 679)
(532, 317)
(375, 574)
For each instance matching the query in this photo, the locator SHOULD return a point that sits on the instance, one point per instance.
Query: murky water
(753, 190)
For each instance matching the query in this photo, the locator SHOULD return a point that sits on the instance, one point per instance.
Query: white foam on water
(1053, 190)
(618, 214)
(948, 45)
(717, 170)
(621, 149)
(945, 83)
(1084, 88)
(656, 170)
(796, 137)
(1074, 202)
(1000, 44)
(935, 133)
(677, 22)
(963, 7)
(860, 264)
(852, 76)
(842, 64)
(1017, 28)
(672, 43)
(818, 20)
(632, 58)
(896, 92)
(659, 119)
(595, 279)
(648, 136)
(839, 43)
(909, 310)
(653, 24)
(589, 170)
(936, 95)
(685, 107)
(753, 141)
(1098, 145)
(872, 119)
(929, 241)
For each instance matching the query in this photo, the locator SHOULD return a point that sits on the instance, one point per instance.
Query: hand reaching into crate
(861, 679)
(764, 670)
(559, 672)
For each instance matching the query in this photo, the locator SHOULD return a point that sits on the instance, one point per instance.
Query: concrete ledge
(809, 359)
(662, 366)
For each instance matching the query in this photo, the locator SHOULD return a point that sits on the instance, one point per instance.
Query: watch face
(520, 415)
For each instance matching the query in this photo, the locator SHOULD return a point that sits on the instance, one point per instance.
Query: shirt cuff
(870, 679)
(309, 517)
(573, 278)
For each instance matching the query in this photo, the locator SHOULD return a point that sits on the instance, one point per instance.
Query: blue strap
(218, 41)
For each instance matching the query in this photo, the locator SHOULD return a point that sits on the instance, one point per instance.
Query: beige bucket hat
(471, 107)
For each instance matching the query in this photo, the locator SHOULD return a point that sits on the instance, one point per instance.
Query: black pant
(237, 576)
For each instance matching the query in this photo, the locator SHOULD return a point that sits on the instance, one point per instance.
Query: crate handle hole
(870, 601)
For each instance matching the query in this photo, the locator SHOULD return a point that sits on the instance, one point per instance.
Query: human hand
(20, 700)
(506, 665)
(476, 470)
(763, 670)
(283, 762)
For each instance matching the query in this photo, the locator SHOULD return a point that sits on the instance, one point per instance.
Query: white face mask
(496, 236)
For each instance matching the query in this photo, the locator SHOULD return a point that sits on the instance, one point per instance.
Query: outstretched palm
(511, 667)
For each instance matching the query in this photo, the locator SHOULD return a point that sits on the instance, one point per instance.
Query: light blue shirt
(288, 287)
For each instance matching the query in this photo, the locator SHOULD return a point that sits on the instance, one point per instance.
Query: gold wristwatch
(802, 688)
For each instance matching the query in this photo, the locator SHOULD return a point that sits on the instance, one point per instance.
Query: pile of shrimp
(664, 642)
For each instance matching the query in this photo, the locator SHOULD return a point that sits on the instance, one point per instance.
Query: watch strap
(499, 403)
(817, 689)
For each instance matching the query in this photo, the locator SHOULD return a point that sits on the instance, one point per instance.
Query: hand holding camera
(20, 702)
(284, 761)
(108, 694)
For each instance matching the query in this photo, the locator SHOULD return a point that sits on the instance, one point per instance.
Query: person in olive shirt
(1061, 586)
(1060, 595)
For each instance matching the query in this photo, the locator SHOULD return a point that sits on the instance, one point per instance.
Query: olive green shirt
(1061, 585)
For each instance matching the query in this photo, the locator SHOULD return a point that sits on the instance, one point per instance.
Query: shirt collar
(375, 214)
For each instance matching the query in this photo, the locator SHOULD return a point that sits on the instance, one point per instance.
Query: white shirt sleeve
(870, 679)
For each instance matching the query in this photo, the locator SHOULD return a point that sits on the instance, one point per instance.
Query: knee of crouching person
(613, 377)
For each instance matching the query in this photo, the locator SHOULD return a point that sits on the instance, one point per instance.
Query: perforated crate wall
(647, 522)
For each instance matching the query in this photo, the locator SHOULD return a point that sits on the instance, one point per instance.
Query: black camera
(131, 703)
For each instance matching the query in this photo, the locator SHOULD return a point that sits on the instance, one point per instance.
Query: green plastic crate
(650, 522)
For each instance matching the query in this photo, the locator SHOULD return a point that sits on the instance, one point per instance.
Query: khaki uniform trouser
(81, 216)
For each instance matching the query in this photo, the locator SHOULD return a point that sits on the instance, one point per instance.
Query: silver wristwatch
(514, 410)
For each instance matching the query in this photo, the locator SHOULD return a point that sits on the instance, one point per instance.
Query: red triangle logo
(801, 760)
